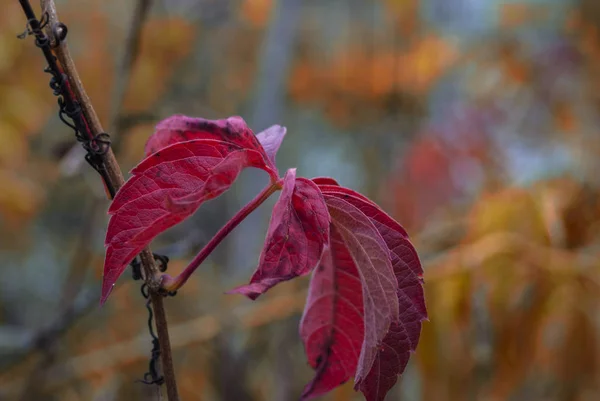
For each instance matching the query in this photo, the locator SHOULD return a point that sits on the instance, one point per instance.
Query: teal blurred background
(473, 122)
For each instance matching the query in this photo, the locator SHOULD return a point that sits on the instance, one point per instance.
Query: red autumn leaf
(298, 231)
(325, 181)
(403, 336)
(166, 188)
(344, 192)
(365, 306)
(391, 361)
(405, 261)
(206, 154)
(372, 258)
(332, 325)
(221, 178)
(180, 128)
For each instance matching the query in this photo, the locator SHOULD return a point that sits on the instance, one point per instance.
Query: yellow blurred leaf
(134, 141)
(13, 146)
(425, 61)
(164, 43)
(510, 210)
(19, 198)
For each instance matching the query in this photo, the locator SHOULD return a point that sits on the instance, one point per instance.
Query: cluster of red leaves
(365, 304)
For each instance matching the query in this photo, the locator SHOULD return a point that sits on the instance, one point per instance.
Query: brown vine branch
(119, 122)
(69, 311)
(56, 32)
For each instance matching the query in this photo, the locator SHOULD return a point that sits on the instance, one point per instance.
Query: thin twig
(129, 55)
(115, 179)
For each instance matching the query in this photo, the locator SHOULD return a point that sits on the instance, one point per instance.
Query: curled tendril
(152, 376)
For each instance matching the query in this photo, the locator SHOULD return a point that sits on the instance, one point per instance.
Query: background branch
(197, 330)
(129, 55)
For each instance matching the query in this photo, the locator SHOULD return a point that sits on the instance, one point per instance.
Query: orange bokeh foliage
(357, 76)
(256, 11)
(511, 274)
(164, 43)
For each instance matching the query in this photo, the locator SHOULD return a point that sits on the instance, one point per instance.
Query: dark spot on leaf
(231, 131)
(200, 125)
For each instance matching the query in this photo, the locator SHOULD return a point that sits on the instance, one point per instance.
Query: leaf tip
(271, 139)
(249, 291)
(105, 294)
(308, 392)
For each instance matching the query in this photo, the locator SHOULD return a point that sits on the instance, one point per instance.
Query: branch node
(136, 265)
(60, 33)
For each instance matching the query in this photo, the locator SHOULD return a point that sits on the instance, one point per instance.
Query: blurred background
(472, 122)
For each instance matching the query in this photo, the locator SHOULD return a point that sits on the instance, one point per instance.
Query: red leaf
(325, 181)
(403, 336)
(205, 154)
(271, 139)
(373, 261)
(220, 179)
(298, 231)
(180, 128)
(405, 261)
(391, 361)
(332, 326)
(166, 188)
(345, 192)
